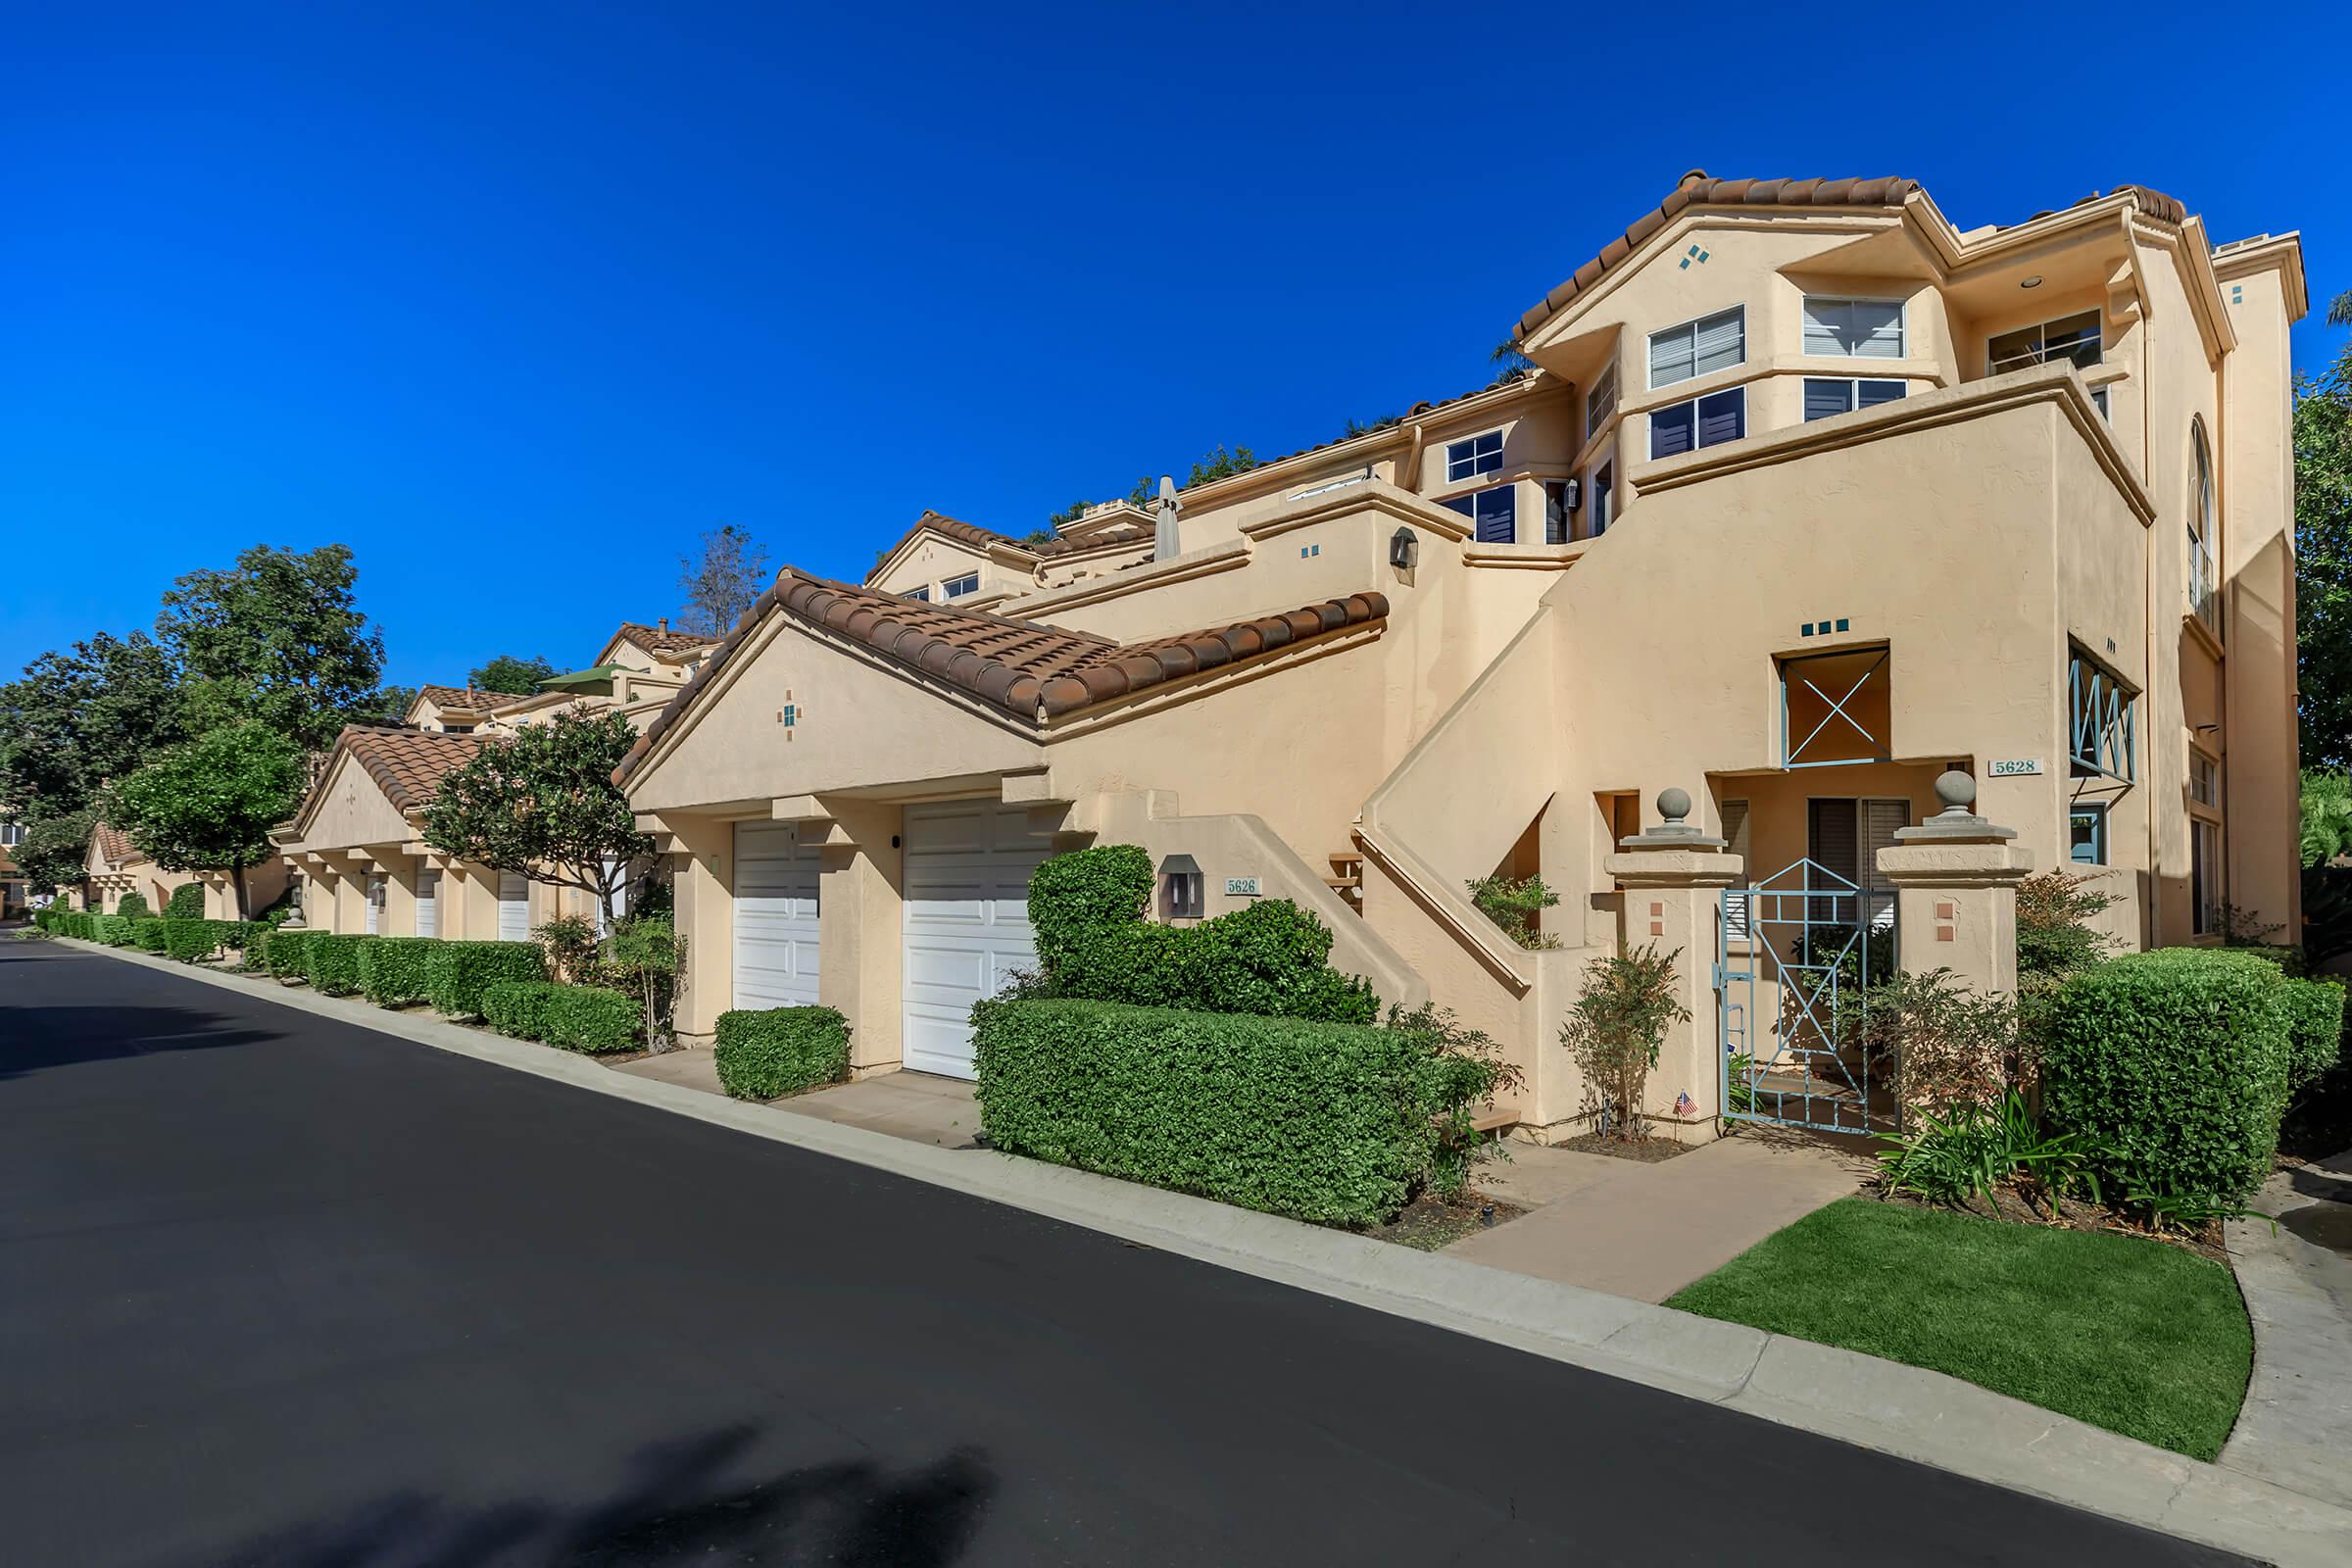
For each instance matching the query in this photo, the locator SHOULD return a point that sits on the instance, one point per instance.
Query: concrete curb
(1914, 1414)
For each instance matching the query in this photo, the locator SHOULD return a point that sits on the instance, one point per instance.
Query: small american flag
(1683, 1103)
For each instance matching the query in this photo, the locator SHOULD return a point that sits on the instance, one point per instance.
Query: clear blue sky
(508, 294)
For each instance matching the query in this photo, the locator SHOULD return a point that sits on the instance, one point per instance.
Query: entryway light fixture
(1404, 548)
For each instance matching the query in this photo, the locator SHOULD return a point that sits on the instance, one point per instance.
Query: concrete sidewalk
(2296, 1427)
(918, 1106)
(1645, 1230)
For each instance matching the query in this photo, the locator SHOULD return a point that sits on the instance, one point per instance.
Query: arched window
(2204, 585)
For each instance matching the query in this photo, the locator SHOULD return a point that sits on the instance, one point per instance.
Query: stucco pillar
(703, 891)
(1674, 876)
(860, 949)
(400, 895)
(1955, 879)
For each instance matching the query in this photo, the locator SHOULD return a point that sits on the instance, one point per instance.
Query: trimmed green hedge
(2314, 1028)
(133, 906)
(1323, 1121)
(111, 929)
(185, 904)
(332, 962)
(392, 969)
(457, 971)
(256, 943)
(1086, 911)
(146, 933)
(780, 1050)
(2172, 1064)
(585, 1018)
(290, 953)
(191, 940)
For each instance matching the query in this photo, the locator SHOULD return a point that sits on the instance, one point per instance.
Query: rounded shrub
(782, 1051)
(187, 903)
(392, 969)
(2314, 1028)
(132, 906)
(1074, 899)
(2172, 1065)
(332, 962)
(457, 971)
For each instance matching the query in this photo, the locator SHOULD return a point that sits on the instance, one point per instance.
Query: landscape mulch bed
(1429, 1222)
(1649, 1151)
(2075, 1216)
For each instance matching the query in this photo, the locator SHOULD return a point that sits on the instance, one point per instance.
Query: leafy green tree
(2327, 815)
(515, 677)
(722, 581)
(1217, 465)
(2323, 442)
(544, 805)
(54, 848)
(208, 804)
(279, 638)
(78, 718)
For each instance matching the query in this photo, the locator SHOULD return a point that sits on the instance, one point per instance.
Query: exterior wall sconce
(1182, 890)
(1404, 548)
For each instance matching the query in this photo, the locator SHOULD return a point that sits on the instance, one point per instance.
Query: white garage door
(514, 907)
(428, 903)
(775, 916)
(966, 924)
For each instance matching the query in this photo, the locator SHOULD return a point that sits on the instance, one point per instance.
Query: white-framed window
(1480, 454)
(2204, 781)
(1854, 330)
(920, 595)
(1828, 396)
(2086, 823)
(957, 587)
(1706, 421)
(1602, 401)
(12, 834)
(1494, 514)
(2072, 338)
(2204, 585)
(1603, 508)
(1698, 348)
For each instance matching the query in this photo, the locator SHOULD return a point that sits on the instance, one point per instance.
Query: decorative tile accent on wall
(1697, 252)
(1822, 628)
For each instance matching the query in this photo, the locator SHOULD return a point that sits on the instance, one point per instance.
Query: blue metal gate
(1801, 951)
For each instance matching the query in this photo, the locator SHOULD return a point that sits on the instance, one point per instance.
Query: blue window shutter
(1671, 430)
(1497, 514)
(1827, 399)
(1723, 418)
(1874, 393)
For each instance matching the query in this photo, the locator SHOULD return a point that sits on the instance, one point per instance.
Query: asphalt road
(279, 1290)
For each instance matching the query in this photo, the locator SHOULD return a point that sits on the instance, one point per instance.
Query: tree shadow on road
(36, 1039)
(679, 1504)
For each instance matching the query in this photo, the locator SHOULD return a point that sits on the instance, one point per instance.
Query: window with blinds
(1600, 401)
(1494, 514)
(1827, 398)
(1706, 421)
(1698, 348)
(1864, 330)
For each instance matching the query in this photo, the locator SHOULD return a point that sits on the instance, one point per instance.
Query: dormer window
(2070, 338)
(1467, 459)
(957, 587)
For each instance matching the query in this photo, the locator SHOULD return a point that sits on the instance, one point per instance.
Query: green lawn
(2132, 1336)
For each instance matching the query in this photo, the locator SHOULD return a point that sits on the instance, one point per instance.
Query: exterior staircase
(1346, 878)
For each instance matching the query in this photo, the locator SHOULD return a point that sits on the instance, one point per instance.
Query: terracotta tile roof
(1698, 190)
(467, 699)
(114, 846)
(1126, 533)
(979, 538)
(1029, 670)
(660, 639)
(406, 765)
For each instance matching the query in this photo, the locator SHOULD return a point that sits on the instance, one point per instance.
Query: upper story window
(12, 834)
(1467, 459)
(920, 595)
(957, 587)
(1600, 401)
(1825, 398)
(2204, 595)
(1862, 329)
(2204, 781)
(1706, 421)
(1494, 514)
(1698, 348)
(2101, 732)
(2070, 338)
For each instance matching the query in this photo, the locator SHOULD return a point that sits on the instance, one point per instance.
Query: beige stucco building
(358, 841)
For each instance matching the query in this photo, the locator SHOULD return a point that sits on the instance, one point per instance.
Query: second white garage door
(967, 922)
(775, 916)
